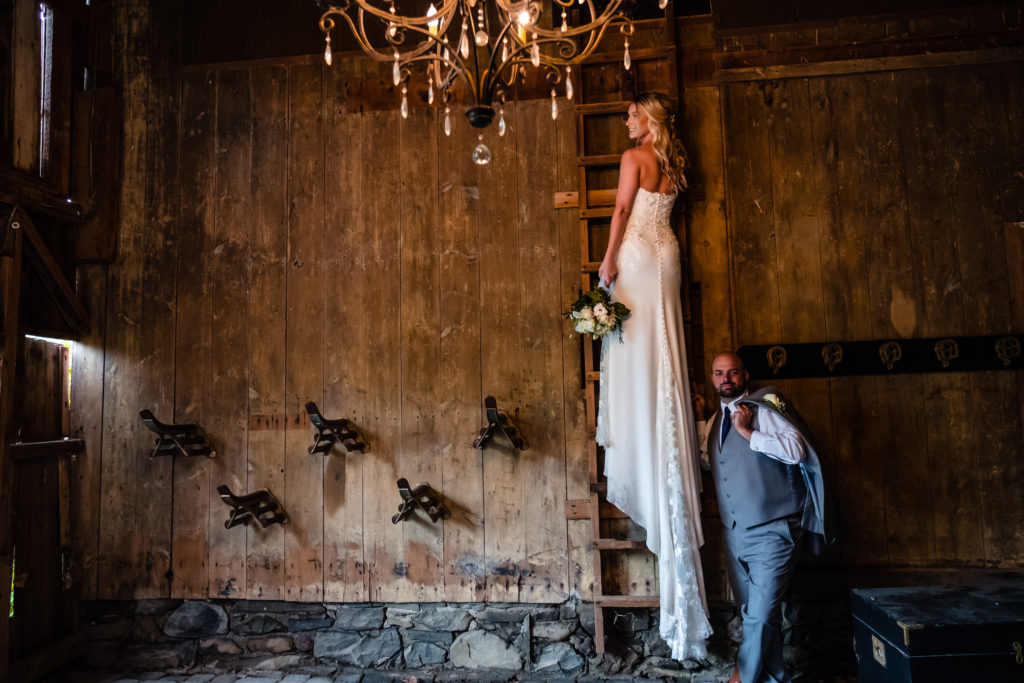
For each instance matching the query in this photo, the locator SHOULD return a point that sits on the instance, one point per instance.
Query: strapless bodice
(651, 214)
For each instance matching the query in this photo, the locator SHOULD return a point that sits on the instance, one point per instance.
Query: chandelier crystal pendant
(495, 43)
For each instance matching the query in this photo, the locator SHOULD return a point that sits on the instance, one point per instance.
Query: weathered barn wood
(902, 179)
(193, 365)
(345, 340)
(265, 305)
(303, 492)
(287, 236)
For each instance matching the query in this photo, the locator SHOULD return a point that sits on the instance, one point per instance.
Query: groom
(771, 496)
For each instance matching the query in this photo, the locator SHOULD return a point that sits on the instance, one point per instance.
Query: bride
(645, 421)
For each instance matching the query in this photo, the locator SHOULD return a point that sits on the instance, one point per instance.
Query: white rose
(587, 314)
(600, 310)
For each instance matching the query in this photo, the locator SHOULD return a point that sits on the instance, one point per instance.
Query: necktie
(726, 422)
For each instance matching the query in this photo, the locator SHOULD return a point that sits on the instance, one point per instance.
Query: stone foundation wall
(436, 641)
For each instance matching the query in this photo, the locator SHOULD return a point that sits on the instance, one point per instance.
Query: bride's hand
(607, 272)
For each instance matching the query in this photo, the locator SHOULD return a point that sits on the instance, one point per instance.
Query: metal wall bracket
(260, 505)
(330, 431)
(422, 497)
(184, 439)
(497, 421)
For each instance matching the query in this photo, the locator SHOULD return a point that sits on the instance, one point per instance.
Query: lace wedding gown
(645, 420)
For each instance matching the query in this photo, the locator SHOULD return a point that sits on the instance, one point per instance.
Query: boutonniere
(775, 402)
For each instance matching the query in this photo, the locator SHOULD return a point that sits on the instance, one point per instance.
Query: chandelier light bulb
(626, 61)
(568, 82)
(327, 51)
(432, 25)
(524, 18)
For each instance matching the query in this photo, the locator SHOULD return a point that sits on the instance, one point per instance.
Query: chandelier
(487, 44)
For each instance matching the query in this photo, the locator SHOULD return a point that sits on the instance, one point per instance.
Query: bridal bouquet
(596, 314)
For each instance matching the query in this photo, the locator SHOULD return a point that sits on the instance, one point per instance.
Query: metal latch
(1020, 653)
(878, 650)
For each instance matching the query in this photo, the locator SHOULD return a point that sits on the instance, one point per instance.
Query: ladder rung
(599, 160)
(600, 212)
(618, 544)
(591, 267)
(627, 601)
(594, 376)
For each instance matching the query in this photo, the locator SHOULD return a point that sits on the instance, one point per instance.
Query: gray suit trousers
(761, 563)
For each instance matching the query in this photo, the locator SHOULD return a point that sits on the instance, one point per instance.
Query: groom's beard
(728, 390)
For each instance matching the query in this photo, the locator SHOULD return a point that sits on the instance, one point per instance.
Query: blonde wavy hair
(667, 147)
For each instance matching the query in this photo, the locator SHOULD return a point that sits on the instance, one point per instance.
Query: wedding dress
(645, 420)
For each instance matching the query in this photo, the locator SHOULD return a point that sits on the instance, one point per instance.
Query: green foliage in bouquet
(596, 314)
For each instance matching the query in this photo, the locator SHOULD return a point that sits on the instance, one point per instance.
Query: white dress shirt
(775, 436)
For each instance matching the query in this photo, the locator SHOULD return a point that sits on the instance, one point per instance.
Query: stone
(304, 641)
(258, 625)
(582, 643)
(559, 657)
(441, 619)
(654, 644)
(351, 677)
(569, 610)
(154, 607)
(420, 653)
(195, 619)
(257, 679)
(295, 678)
(220, 645)
(587, 618)
(359, 648)
(735, 629)
(503, 613)
(199, 678)
(483, 676)
(165, 656)
(554, 630)
(401, 616)
(413, 635)
(109, 629)
(309, 624)
(273, 644)
(630, 621)
(280, 663)
(483, 650)
(358, 618)
(147, 630)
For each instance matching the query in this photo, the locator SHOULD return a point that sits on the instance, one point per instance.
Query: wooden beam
(852, 66)
(54, 280)
(10, 286)
(20, 187)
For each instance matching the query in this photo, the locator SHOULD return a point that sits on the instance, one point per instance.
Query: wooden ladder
(653, 68)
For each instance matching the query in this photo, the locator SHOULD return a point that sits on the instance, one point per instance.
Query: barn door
(43, 625)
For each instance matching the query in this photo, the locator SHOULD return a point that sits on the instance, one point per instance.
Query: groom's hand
(742, 417)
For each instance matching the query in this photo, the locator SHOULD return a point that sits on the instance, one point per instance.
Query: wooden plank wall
(868, 206)
(285, 239)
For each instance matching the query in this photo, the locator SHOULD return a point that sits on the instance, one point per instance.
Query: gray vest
(752, 487)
